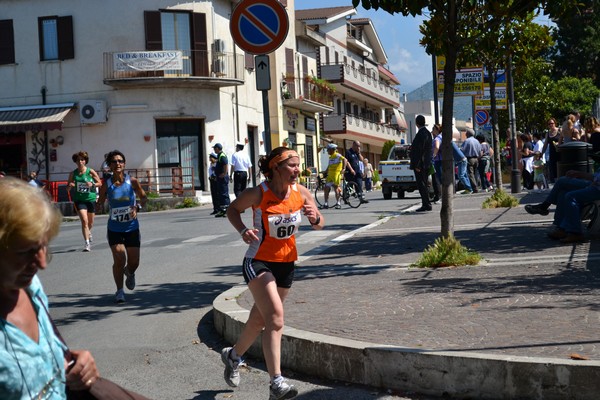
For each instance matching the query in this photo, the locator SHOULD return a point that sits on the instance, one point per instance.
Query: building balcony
(352, 125)
(351, 81)
(307, 95)
(173, 68)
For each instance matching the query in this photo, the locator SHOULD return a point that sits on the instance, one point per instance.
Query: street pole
(515, 177)
(267, 121)
(435, 90)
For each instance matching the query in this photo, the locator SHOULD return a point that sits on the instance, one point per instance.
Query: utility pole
(515, 177)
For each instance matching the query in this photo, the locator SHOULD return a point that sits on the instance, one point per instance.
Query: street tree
(577, 50)
(521, 38)
(449, 29)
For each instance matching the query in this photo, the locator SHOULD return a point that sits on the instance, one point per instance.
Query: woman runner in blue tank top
(123, 231)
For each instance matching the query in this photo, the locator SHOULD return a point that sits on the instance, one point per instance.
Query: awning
(34, 118)
(398, 119)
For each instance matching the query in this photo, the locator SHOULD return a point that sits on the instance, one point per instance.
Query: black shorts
(129, 239)
(86, 205)
(282, 272)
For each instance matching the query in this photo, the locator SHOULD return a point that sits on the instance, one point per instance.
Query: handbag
(102, 389)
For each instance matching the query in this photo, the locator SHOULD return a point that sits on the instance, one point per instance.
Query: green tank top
(83, 192)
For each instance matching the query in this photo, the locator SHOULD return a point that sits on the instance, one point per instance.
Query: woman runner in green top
(85, 181)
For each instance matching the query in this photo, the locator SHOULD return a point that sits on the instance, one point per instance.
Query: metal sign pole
(515, 177)
(267, 121)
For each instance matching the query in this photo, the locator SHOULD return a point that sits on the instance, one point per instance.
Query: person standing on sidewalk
(368, 175)
(212, 180)
(355, 159)
(472, 150)
(268, 266)
(241, 169)
(461, 163)
(420, 161)
(436, 178)
(85, 181)
(221, 172)
(123, 230)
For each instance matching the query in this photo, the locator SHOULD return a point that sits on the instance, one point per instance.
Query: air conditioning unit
(92, 112)
(219, 67)
(219, 46)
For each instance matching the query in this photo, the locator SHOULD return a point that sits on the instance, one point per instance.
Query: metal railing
(304, 88)
(196, 63)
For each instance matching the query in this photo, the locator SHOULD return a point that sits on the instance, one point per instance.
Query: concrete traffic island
(456, 374)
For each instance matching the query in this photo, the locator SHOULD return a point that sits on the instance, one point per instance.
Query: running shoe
(282, 391)
(120, 296)
(91, 238)
(232, 372)
(338, 206)
(87, 247)
(129, 279)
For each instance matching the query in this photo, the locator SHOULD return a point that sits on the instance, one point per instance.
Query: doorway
(13, 154)
(178, 146)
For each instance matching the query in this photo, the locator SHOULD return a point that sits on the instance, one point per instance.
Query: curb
(458, 374)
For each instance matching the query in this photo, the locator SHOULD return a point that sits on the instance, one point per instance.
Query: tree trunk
(495, 137)
(447, 211)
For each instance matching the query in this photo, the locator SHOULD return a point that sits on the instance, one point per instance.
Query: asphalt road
(161, 341)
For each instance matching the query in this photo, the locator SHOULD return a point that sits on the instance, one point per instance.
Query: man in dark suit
(420, 161)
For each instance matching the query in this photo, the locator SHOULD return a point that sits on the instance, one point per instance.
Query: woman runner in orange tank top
(279, 205)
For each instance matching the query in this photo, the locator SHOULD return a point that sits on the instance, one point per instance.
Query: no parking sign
(482, 117)
(259, 26)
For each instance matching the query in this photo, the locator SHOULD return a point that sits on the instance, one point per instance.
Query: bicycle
(349, 192)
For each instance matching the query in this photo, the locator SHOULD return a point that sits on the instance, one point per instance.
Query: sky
(399, 36)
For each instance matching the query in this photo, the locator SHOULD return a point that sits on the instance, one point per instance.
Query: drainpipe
(46, 151)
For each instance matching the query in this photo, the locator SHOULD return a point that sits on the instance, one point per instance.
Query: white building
(159, 80)
(163, 82)
(366, 100)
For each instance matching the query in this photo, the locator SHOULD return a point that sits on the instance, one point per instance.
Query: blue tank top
(121, 201)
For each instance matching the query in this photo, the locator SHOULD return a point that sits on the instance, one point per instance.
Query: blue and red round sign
(259, 26)
(482, 117)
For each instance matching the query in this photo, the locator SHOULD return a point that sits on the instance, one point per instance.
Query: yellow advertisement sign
(484, 102)
(468, 80)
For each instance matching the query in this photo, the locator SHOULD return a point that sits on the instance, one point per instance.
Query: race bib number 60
(121, 214)
(284, 226)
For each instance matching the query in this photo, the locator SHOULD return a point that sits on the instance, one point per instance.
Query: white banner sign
(148, 61)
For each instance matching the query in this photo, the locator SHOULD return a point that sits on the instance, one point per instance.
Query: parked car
(395, 173)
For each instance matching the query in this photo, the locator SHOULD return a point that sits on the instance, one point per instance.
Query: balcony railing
(307, 95)
(351, 81)
(197, 68)
(332, 124)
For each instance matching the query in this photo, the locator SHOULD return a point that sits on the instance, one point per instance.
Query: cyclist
(337, 164)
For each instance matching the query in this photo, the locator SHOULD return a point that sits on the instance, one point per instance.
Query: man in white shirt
(241, 169)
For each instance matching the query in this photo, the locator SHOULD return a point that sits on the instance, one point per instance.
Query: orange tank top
(277, 221)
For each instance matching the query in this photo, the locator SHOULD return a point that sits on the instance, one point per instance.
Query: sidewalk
(512, 327)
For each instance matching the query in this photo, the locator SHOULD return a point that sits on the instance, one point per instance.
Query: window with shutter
(7, 42)
(56, 38)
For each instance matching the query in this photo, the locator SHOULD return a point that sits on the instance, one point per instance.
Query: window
(182, 30)
(7, 42)
(56, 38)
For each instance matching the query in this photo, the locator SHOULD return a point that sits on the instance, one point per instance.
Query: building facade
(163, 82)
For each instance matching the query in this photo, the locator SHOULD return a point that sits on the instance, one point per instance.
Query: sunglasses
(117, 161)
